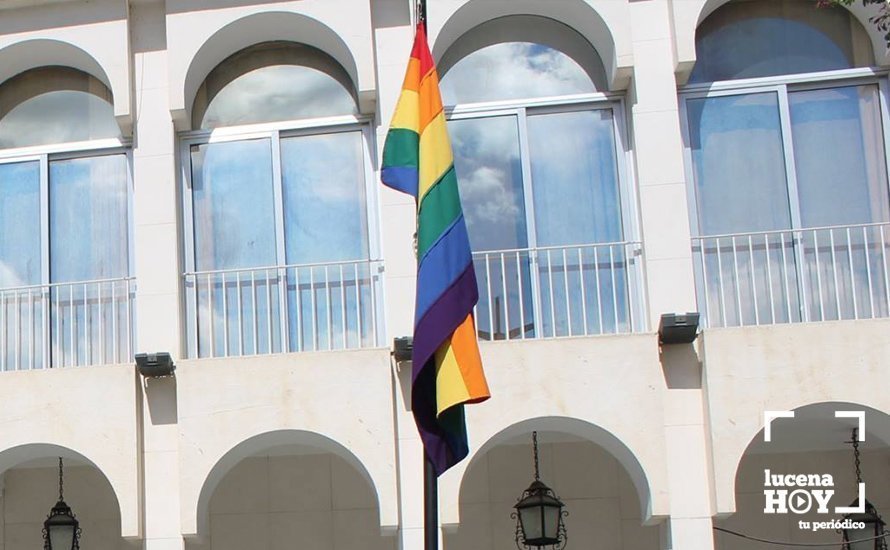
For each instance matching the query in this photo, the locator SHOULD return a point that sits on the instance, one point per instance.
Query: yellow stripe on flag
(435, 155)
(459, 377)
(407, 114)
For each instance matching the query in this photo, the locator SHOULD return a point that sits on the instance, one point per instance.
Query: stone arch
(603, 23)
(807, 414)
(13, 456)
(200, 507)
(689, 15)
(21, 56)
(642, 476)
(254, 29)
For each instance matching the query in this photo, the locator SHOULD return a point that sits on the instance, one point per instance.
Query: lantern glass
(551, 521)
(61, 528)
(532, 523)
(61, 537)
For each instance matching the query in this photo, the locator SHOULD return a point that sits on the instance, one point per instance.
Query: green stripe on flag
(402, 148)
(439, 209)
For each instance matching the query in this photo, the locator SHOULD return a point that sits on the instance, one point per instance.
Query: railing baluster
(614, 286)
(753, 280)
(30, 330)
(314, 311)
(240, 313)
(852, 274)
(720, 283)
(886, 275)
(583, 290)
(4, 319)
(488, 289)
(371, 267)
(101, 327)
(738, 282)
(343, 308)
(837, 282)
(565, 276)
(210, 321)
(599, 290)
(255, 313)
(769, 280)
(521, 294)
(358, 304)
(225, 314)
(871, 299)
(819, 276)
(552, 295)
(268, 312)
(506, 297)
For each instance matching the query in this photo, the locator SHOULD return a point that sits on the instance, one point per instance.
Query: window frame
(782, 86)
(274, 132)
(521, 109)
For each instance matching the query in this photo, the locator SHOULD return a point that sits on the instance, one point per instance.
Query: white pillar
(157, 273)
(658, 148)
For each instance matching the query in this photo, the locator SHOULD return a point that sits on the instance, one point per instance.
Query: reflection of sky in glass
(486, 158)
(278, 92)
(852, 170)
(19, 224)
(324, 198)
(58, 117)
(88, 218)
(736, 145)
(575, 178)
(513, 70)
(233, 205)
(765, 46)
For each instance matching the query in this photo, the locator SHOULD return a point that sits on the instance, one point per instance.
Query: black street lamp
(871, 536)
(61, 530)
(539, 514)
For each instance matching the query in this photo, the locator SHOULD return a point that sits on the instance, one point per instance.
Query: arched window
(65, 291)
(277, 207)
(788, 166)
(539, 156)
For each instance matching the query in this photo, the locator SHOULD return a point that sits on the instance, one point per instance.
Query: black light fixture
(539, 514)
(152, 365)
(678, 328)
(61, 530)
(871, 535)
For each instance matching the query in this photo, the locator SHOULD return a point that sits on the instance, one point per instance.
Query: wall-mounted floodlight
(402, 348)
(678, 328)
(152, 365)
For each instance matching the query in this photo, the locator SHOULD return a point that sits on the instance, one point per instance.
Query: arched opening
(815, 444)
(273, 81)
(602, 500)
(287, 489)
(31, 487)
(51, 105)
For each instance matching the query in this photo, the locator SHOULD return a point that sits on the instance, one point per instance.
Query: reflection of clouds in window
(513, 70)
(575, 178)
(19, 224)
(281, 92)
(775, 37)
(58, 117)
(486, 158)
(324, 198)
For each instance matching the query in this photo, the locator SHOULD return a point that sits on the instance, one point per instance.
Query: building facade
(202, 177)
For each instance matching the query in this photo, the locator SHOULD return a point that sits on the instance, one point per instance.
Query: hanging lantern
(871, 535)
(539, 513)
(61, 530)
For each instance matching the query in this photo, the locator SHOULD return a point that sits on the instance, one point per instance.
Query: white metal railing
(794, 275)
(67, 324)
(307, 307)
(558, 291)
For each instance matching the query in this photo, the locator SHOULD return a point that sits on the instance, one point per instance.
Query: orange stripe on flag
(430, 100)
(466, 351)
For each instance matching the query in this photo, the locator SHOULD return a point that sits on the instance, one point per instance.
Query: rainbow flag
(417, 159)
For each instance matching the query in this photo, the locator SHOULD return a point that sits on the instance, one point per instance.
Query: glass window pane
(324, 198)
(88, 218)
(739, 168)
(839, 156)
(514, 70)
(19, 224)
(575, 178)
(270, 82)
(233, 204)
(54, 105)
(759, 38)
(486, 159)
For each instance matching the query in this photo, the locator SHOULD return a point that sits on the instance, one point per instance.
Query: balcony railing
(67, 324)
(548, 292)
(310, 307)
(795, 275)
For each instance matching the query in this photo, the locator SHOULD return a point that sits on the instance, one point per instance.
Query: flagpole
(430, 506)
